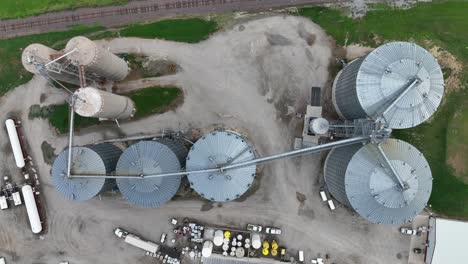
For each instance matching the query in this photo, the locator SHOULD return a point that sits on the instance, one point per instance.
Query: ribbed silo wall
(109, 154)
(345, 94)
(335, 170)
(178, 148)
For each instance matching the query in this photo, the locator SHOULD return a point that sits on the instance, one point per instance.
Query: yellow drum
(227, 234)
(274, 252)
(265, 251)
(266, 244)
(274, 245)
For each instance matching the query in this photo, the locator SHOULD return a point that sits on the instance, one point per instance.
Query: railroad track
(9, 25)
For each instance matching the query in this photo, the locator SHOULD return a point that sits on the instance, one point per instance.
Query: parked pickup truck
(273, 230)
(408, 231)
(254, 228)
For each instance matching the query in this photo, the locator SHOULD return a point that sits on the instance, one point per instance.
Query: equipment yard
(233, 138)
(253, 77)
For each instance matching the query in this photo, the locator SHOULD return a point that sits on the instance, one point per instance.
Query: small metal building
(151, 157)
(96, 59)
(36, 54)
(399, 83)
(99, 159)
(356, 177)
(216, 149)
(101, 104)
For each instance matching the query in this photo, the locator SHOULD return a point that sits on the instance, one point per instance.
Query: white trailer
(3, 203)
(15, 143)
(31, 208)
(140, 243)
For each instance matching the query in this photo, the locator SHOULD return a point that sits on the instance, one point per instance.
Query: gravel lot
(253, 78)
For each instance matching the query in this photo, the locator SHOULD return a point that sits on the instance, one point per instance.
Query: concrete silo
(218, 149)
(398, 83)
(96, 59)
(99, 159)
(146, 158)
(34, 58)
(359, 177)
(92, 102)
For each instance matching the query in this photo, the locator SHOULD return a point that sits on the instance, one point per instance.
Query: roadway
(139, 11)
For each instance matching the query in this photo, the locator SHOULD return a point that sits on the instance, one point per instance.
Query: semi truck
(136, 241)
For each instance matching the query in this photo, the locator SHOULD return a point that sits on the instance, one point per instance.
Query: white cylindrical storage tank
(256, 241)
(399, 83)
(319, 126)
(15, 143)
(218, 238)
(96, 59)
(39, 54)
(240, 252)
(207, 249)
(31, 209)
(358, 177)
(208, 234)
(92, 102)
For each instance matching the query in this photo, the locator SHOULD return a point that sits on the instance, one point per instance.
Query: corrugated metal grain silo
(356, 176)
(96, 59)
(99, 159)
(92, 102)
(216, 149)
(400, 83)
(146, 158)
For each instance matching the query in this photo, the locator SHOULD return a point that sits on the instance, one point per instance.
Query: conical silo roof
(145, 158)
(88, 160)
(370, 86)
(216, 149)
(369, 186)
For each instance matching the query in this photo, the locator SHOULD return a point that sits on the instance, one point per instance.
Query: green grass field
(59, 118)
(23, 8)
(444, 24)
(190, 30)
(153, 100)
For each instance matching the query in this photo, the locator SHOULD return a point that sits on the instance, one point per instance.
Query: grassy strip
(190, 30)
(153, 100)
(445, 24)
(24, 8)
(59, 118)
